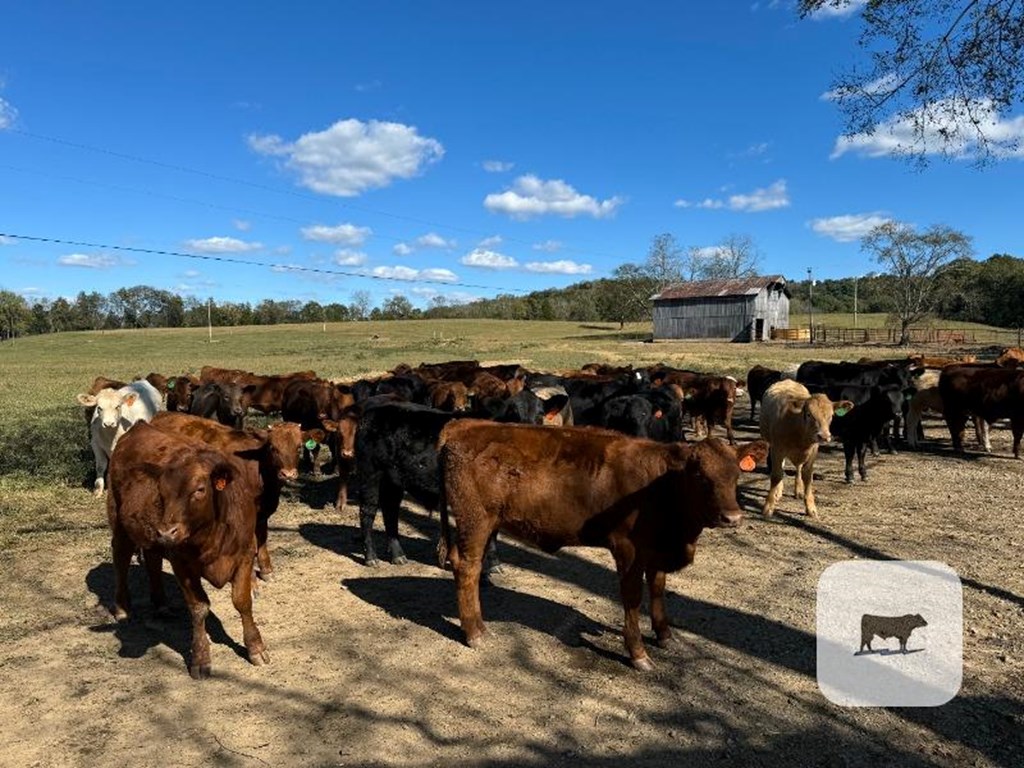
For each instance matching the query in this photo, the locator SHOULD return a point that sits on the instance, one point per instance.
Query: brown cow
(555, 487)
(158, 380)
(448, 395)
(988, 393)
(795, 422)
(271, 456)
(1011, 357)
(179, 392)
(175, 499)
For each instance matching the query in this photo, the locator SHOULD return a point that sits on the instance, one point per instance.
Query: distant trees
(15, 316)
(736, 256)
(941, 74)
(914, 261)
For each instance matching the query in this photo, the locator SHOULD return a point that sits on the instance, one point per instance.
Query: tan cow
(795, 422)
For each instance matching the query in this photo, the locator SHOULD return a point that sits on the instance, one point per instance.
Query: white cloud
(450, 297)
(490, 242)
(222, 245)
(532, 196)
(372, 85)
(349, 258)
(849, 227)
(948, 128)
(6, 240)
(93, 261)
(434, 240)
(190, 274)
(342, 234)
(407, 273)
(8, 114)
(880, 85)
(562, 267)
(351, 156)
(402, 249)
(838, 11)
(497, 166)
(241, 225)
(709, 251)
(766, 199)
(548, 246)
(487, 259)
(283, 250)
(287, 268)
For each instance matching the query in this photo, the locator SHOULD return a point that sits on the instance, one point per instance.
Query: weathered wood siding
(721, 317)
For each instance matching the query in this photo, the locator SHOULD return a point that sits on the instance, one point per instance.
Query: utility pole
(855, 301)
(810, 303)
(209, 318)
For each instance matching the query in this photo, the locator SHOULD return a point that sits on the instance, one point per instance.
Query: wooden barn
(739, 309)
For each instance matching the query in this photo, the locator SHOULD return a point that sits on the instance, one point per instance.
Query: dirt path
(368, 667)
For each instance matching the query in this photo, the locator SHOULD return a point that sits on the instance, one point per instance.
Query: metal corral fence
(949, 336)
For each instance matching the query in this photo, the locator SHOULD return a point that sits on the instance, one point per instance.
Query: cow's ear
(842, 407)
(88, 401)
(221, 476)
(129, 399)
(748, 456)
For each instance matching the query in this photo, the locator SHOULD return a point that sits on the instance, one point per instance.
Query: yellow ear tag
(747, 463)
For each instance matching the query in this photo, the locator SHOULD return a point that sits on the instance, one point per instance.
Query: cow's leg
(659, 616)
(861, 468)
(369, 503)
(753, 402)
(122, 548)
(1017, 427)
(102, 459)
(199, 608)
(956, 420)
(631, 584)
(807, 473)
(241, 596)
(467, 564)
(390, 503)
(874, 445)
(980, 431)
(154, 561)
(728, 426)
(344, 474)
(492, 564)
(913, 424)
(266, 568)
(775, 484)
(313, 456)
(849, 449)
(798, 482)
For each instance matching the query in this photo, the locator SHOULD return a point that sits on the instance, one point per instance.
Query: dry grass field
(368, 667)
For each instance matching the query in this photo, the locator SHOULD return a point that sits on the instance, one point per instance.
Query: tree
(15, 315)
(626, 298)
(397, 308)
(914, 261)
(360, 306)
(664, 263)
(941, 74)
(736, 256)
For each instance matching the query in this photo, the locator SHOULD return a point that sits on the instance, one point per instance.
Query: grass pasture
(368, 667)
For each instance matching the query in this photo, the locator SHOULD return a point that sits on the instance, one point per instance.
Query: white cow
(115, 412)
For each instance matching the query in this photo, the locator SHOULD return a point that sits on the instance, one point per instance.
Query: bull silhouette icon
(887, 627)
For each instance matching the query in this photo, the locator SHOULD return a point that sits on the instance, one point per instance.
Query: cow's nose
(170, 536)
(824, 437)
(348, 453)
(288, 474)
(731, 519)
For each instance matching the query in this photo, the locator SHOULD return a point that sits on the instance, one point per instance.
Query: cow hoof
(97, 493)
(120, 615)
(400, 560)
(812, 512)
(664, 642)
(496, 570)
(643, 664)
(259, 659)
(199, 671)
(265, 575)
(849, 480)
(475, 642)
(372, 562)
(767, 512)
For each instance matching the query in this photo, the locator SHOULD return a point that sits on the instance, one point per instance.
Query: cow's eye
(199, 491)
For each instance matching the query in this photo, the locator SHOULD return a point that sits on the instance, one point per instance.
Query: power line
(254, 263)
(282, 191)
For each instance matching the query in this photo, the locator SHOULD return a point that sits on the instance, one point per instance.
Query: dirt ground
(368, 667)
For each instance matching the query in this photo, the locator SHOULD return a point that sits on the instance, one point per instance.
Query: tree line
(989, 291)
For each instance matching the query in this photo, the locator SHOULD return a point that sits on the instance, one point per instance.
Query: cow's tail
(444, 541)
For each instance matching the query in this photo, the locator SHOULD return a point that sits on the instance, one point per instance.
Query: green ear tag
(688, 396)
(310, 444)
(170, 383)
(840, 411)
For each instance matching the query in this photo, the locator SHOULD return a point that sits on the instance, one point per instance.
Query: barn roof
(702, 289)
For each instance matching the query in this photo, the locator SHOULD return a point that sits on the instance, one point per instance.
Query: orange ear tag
(658, 414)
(747, 463)
(220, 483)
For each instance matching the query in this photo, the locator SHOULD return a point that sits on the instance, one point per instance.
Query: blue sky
(468, 147)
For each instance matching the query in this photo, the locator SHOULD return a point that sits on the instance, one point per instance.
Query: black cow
(221, 401)
(655, 413)
(551, 406)
(588, 393)
(759, 379)
(875, 408)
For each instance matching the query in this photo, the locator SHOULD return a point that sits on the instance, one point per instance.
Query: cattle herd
(592, 457)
